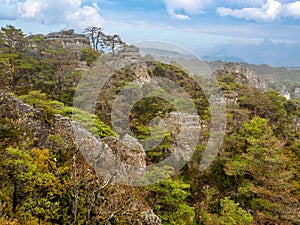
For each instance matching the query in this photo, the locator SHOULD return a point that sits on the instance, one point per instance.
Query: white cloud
(267, 12)
(32, 9)
(68, 12)
(84, 17)
(179, 16)
(188, 6)
(293, 9)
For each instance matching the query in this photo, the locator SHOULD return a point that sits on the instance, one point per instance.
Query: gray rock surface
(148, 218)
(37, 132)
(241, 74)
(70, 40)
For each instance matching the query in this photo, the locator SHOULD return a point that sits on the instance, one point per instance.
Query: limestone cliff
(70, 40)
(241, 74)
(37, 128)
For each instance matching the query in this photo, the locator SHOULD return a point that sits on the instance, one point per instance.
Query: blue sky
(201, 25)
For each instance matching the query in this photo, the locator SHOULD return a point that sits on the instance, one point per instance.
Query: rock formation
(241, 74)
(297, 92)
(285, 92)
(148, 218)
(37, 131)
(70, 40)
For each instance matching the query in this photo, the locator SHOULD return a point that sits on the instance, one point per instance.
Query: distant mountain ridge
(282, 79)
(266, 52)
(164, 52)
(285, 80)
(264, 71)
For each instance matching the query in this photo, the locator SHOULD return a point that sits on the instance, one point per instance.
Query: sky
(206, 27)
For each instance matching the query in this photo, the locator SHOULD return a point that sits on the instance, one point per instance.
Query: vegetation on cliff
(44, 179)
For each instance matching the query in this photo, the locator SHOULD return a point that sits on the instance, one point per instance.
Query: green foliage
(9, 132)
(269, 105)
(265, 169)
(228, 84)
(181, 78)
(229, 212)
(90, 121)
(40, 101)
(7, 221)
(159, 138)
(150, 108)
(288, 84)
(16, 66)
(58, 76)
(170, 201)
(143, 112)
(33, 63)
(232, 214)
(29, 189)
(89, 55)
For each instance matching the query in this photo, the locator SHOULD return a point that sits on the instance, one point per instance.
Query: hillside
(285, 80)
(90, 137)
(282, 79)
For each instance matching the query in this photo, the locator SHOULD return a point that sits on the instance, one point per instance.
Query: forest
(45, 179)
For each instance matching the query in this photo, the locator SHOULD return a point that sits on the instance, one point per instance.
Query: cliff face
(289, 94)
(285, 92)
(252, 76)
(70, 40)
(241, 74)
(297, 93)
(37, 128)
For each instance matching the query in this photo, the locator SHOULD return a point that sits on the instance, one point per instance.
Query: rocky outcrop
(70, 40)
(148, 218)
(285, 92)
(297, 92)
(130, 53)
(241, 74)
(38, 128)
(129, 56)
(289, 93)
(33, 123)
(98, 152)
(296, 124)
(185, 129)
